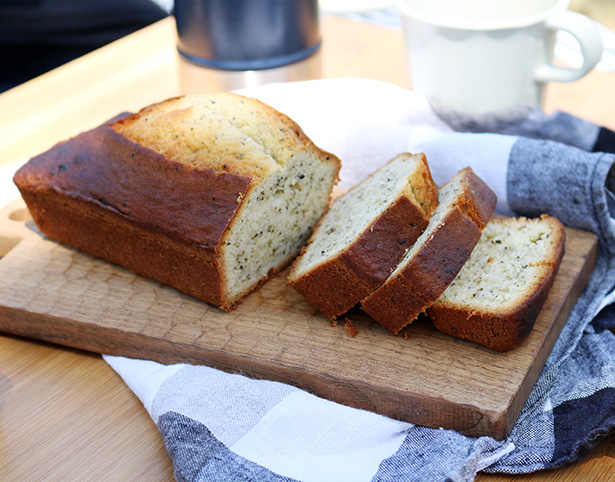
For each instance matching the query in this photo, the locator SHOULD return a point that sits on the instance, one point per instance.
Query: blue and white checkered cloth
(226, 427)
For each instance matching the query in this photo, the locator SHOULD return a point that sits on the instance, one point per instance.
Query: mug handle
(585, 31)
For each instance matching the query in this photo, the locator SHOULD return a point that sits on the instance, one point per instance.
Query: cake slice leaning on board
(499, 292)
(211, 194)
(465, 204)
(364, 234)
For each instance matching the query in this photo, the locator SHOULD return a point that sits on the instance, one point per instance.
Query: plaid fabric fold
(220, 426)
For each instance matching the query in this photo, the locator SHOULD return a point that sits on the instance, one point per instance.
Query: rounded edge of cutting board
(15, 225)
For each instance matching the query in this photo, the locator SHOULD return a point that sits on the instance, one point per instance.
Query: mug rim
(408, 12)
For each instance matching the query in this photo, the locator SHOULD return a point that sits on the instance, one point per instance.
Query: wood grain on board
(51, 292)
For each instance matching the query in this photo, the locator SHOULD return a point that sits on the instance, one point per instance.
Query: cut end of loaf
(509, 261)
(495, 299)
(274, 222)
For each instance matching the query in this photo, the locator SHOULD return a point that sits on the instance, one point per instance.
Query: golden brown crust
(105, 195)
(422, 278)
(500, 332)
(110, 236)
(222, 131)
(337, 285)
(425, 192)
(479, 201)
(113, 173)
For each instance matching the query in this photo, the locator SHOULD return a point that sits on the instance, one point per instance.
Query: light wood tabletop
(65, 414)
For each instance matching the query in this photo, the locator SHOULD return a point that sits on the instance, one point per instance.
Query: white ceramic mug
(484, 55)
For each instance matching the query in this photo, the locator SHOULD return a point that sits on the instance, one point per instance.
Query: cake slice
(211, 194)
(430, 265)
(499, 292)
(364, 234)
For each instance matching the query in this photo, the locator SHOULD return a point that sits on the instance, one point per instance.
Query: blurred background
(601, 10)
(39, 35)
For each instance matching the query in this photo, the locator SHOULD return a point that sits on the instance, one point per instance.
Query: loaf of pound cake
(465, 204)
(210, 194)
(498, 294)
(364, 234)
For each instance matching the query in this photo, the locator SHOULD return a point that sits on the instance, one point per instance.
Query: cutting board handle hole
(21, 214)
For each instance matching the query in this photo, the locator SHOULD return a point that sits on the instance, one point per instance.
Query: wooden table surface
(66, 415)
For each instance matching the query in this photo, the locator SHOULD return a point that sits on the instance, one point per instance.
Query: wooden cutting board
(54, 293)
